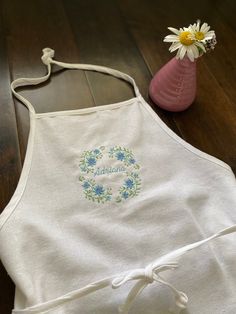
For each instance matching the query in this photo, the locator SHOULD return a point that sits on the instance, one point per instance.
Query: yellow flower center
(184, 38)
(199, 35)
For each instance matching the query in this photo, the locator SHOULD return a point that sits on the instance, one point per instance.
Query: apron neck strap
(47, 59)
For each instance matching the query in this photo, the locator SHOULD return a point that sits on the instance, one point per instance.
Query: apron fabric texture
(115, 213)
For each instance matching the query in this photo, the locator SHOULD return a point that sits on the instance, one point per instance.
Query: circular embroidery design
(101, 193)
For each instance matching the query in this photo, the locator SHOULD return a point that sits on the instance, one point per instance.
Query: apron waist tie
(143, 276)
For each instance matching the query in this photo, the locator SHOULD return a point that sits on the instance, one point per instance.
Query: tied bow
(144, 277)
(152, 272)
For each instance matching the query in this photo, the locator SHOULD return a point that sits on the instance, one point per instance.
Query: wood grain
(10, 162)
(126, 35)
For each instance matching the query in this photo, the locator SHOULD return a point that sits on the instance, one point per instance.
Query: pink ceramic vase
(173, 87)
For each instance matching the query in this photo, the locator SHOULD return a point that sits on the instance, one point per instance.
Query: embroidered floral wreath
(99, 193)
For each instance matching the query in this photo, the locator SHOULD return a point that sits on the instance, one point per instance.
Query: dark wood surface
(126, 35)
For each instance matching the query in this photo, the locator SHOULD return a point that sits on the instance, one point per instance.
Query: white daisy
(182, 39)
(201, 33)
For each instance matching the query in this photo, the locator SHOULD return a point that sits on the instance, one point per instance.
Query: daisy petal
(204, 28)
(178, 52)
(174, 30)
(195, 51)
(175, 46)
(192, 28)
(182, 52)
(200, 45)
(190, 54)
(171, 38)
(209, 35)
(198, 25)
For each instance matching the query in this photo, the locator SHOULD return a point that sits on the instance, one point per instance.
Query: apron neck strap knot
(47, 56)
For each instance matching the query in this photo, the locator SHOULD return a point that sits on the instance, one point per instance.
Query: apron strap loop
(47, 59)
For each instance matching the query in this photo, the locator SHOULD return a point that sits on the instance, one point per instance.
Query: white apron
(114, 213)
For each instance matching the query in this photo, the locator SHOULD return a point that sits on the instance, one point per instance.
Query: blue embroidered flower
(86, 185)
(125, 195)
(98, 190)
(132, 160)
(91, 161)
(125, 155)
(129, 183)
(120, 156)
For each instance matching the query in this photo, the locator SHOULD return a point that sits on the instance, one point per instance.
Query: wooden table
(126, 35)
